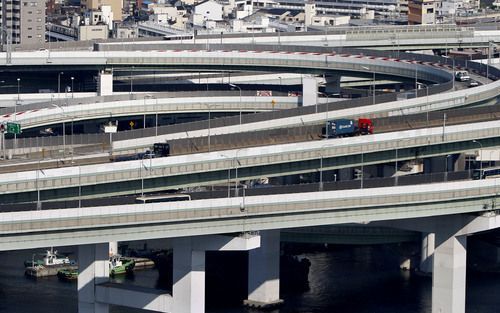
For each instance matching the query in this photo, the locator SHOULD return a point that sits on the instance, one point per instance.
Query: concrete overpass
(247, 163)
(452, 211)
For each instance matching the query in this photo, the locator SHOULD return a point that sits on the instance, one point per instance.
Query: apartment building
(116, 6)
(421, 12)
(24, 19)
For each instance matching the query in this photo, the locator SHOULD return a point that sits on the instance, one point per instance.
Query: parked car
(473, 83)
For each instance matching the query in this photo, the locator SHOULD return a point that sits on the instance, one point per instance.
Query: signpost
(112, 128)
(9, 128)
(13, 128)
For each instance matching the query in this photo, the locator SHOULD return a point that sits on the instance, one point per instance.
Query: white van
(462, 76)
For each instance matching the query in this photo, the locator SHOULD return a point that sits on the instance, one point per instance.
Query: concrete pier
(264, 271)
(448, 280)
(188, 288)
(93, 262)
(427, 253)
(188, 278)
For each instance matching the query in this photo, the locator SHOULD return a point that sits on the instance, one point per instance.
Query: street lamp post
(228, 177)
(373, 82)
(156, 116)
(446, 167)
(321, 171)
(321, 167)
(481, 162)
(396, 179)
(59, 86)
(63, 127)
(416, 80)
(38, 200)
(144, 119)
(237, 162)
(141, 166)
(373, 86)
(326, 113)
(79, 186)
(18, 90)
(362, 167)
(131, 81)
(235, 86)
(209, 117)
(72, 87)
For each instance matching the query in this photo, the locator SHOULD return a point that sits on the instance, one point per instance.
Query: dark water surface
(343, 279)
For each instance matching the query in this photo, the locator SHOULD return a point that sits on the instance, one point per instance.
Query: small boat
(119, 265)
(67, 274)
(49, 265)
(50, 258)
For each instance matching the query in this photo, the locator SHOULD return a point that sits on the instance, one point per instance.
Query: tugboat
(67, 274)
(49, 259)
(49, 265)
(119, 265)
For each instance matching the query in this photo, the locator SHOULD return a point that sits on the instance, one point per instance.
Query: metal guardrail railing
(95, 175)
(466, 199)
(260, 190)
(300, 111)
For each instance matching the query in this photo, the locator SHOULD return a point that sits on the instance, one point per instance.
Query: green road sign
(13, 128)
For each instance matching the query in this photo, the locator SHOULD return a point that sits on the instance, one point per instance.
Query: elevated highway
(24, 230)
(451, 210)
(246, 163)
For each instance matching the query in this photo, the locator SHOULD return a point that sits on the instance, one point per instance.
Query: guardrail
(470, 98)
(259, 190)
(280, 211)
(258, 162)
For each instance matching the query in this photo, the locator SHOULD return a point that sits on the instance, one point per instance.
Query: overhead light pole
(63, 127)
(326, 113)
(209, 106)
(321, 167)
(59, 86)
(228, 177)
(480, 162)
(18, 90)
(373, 82)
(236, 86)
(144, 107)
(72, 87)
(237, 162)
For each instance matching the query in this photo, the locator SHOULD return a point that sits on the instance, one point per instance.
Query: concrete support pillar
(93, 269)
(332, 84)
(309, 91)
(188, 288)
(264, 270)
(105, 87)
(427, 252)
(448, 280)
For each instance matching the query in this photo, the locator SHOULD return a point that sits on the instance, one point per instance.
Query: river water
(360, 279)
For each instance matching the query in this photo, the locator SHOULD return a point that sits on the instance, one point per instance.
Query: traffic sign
(131, 124)
(13, 128)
